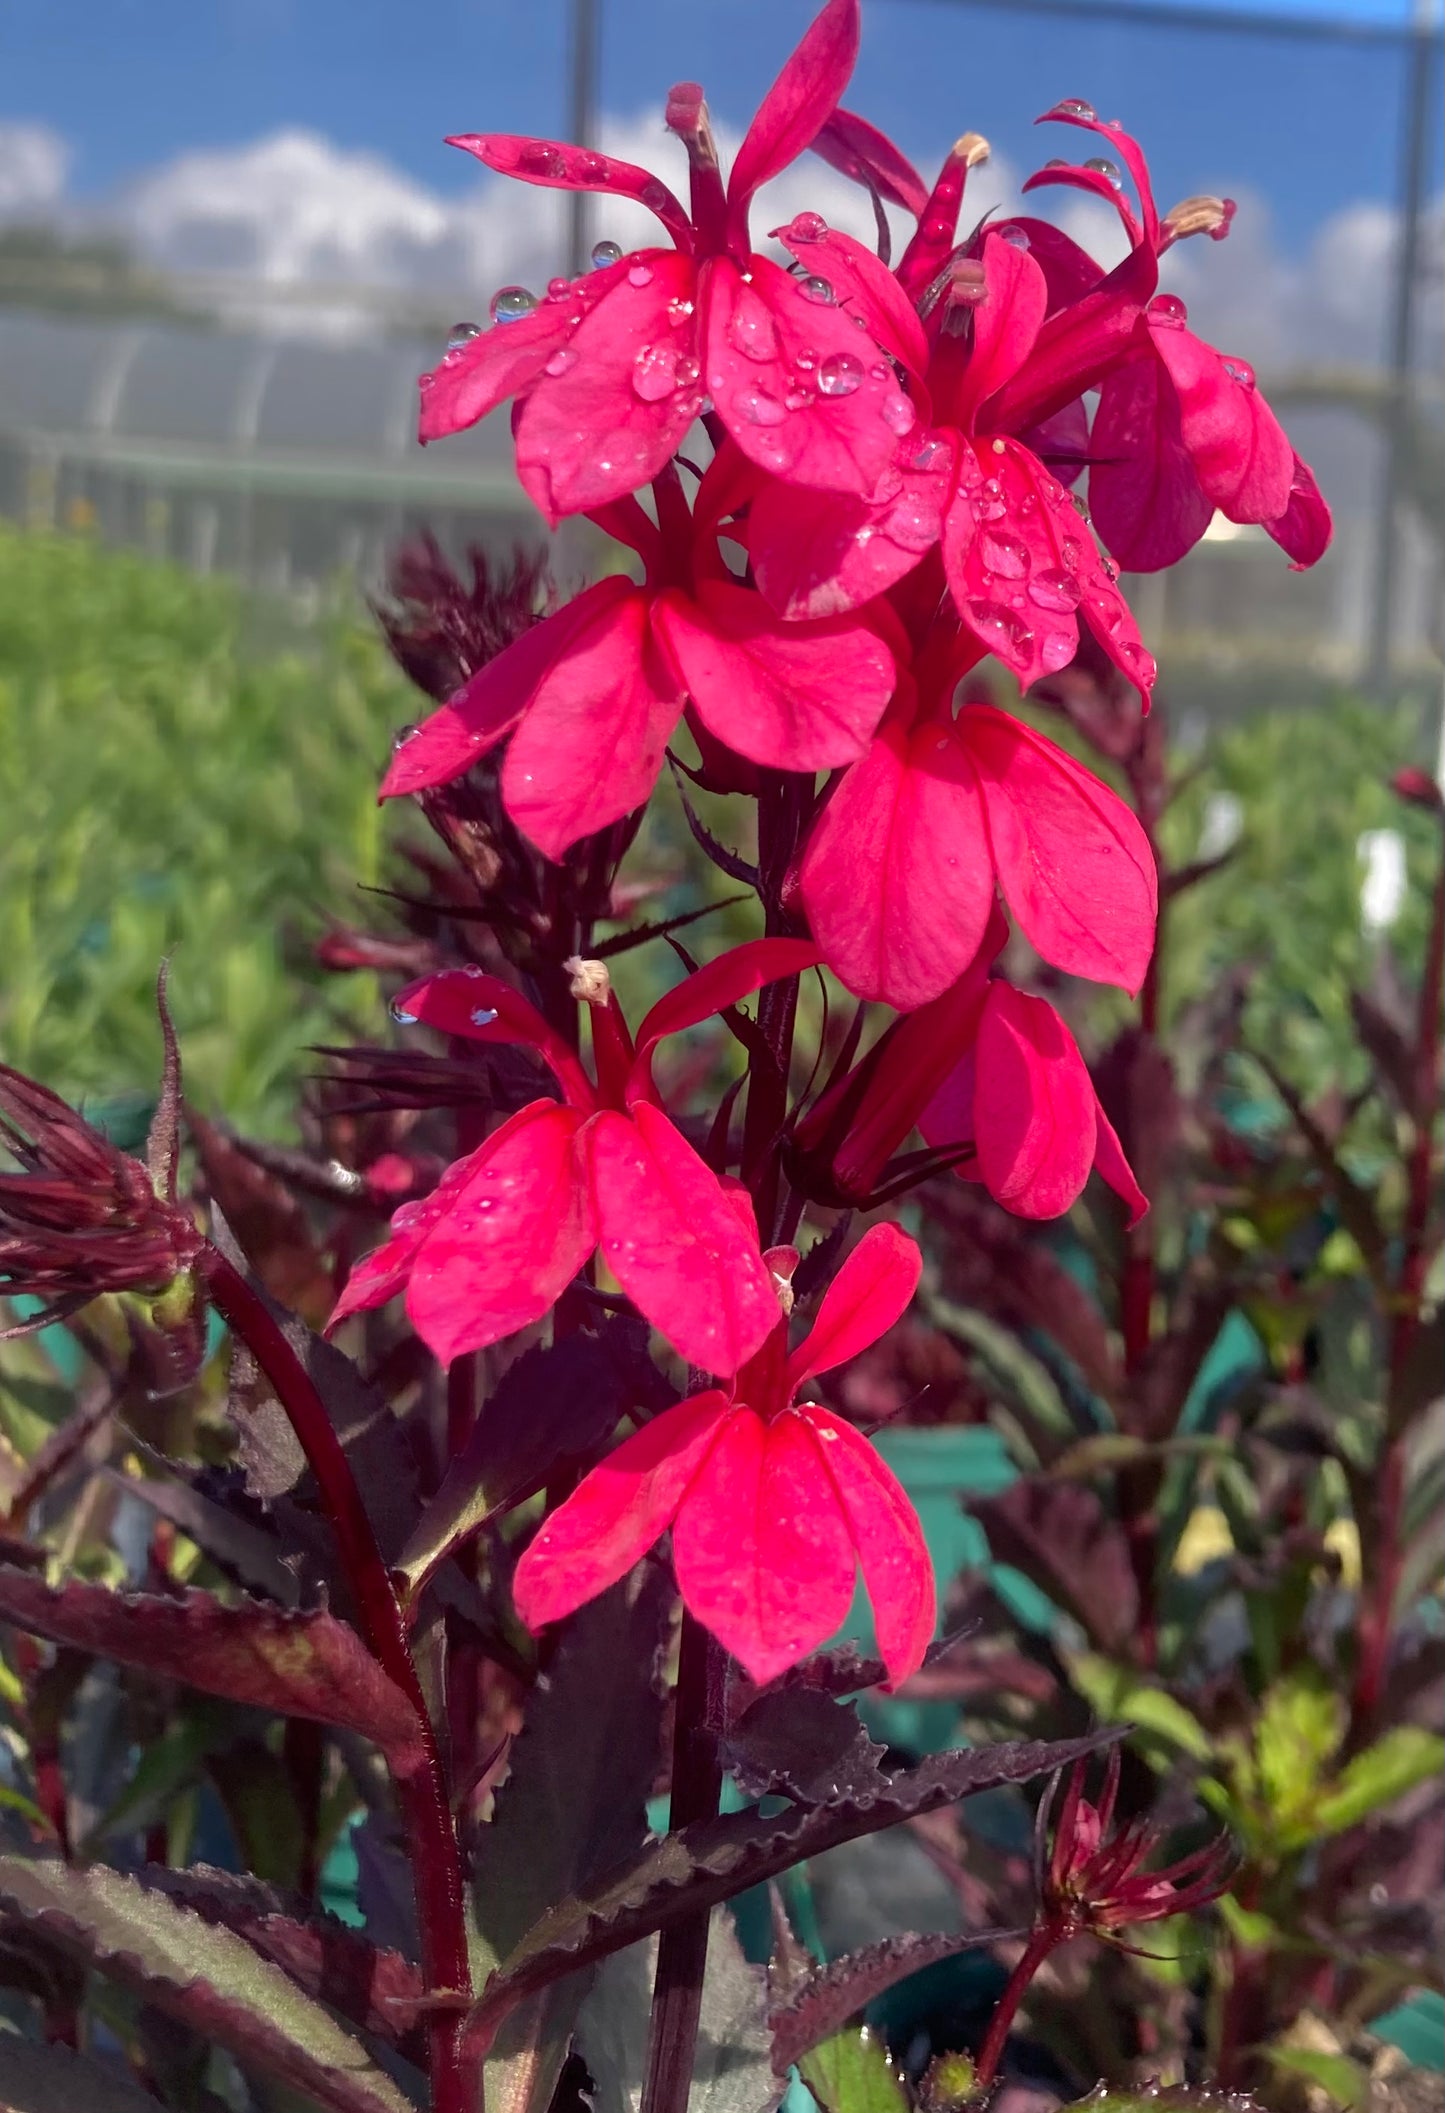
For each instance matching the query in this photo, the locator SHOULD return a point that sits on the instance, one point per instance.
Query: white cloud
(34, 164)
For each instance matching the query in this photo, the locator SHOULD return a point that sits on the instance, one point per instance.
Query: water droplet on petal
(1168, 309)
(563, 358)
(1109, 170)
(806, 360)
(539, 158)
(799, 399)
(913, 526)
(1002, 554)
(1055, 590)
(898, 414)
(654, 373)
(999, 627)
(558, 289)
(752, 329)
(889, 485)
(1081, 506)
(590, 167)
(653, 195)
(462, 334)
(1015, 236)
(840, 374)
(815, 288)
(1240, 371)
(1057, 651)
(808, 227)
(678, 312)
(1075, 106)
(404, 734)
(758, 407)
(484, 1016)
(605, 253)
(511, 303)
(639, 274)
(1069, 553)
(402, 1017)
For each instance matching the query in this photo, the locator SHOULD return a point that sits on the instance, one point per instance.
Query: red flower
(1094, 1878)
(774, 1504)
(509, 1226)
(900, 873)
(610, 370)
(591, 695)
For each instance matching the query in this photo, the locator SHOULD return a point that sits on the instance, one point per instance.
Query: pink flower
(1095, 1878)
(590, 696)
(509, 1226)
(1024, 1097)
(610, 370)
(774, 1503)
(900, 873)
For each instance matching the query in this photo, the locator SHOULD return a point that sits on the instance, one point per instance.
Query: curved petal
(713, 988)
(931, 245)
(593, 739)
(380, 1275)
(799, 697)
(473, 378)
(1035, 1113)
(1006, 324)
(1305, 527)
(557, 166)
(897, 878)
(764, 1555)
(823, 553)
(605, 422)
(616, 1512)
(861, 284)
(511, 1240)
(482, 1008)
(1143, 494)
(489, 705)
(675, 1243)
(1241, 456)
(948, 1118)
(1074, 865)
(859, 151)
(803, 391)
(892, 1553)
(797, 106)
(870, 1292)
(1112, 1166)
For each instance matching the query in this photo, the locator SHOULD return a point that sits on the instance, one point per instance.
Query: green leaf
(851, 2073)
(206, 1976)
(1383, 1772)
(1346, 2082)
(1177, 2098)
(1118, 1693)
(35, 2079)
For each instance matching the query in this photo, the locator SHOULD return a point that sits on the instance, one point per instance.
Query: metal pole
(1419, 66)
(582, 126)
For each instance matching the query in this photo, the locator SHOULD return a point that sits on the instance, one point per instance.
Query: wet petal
(870, 1292)
(557, 166)
(821, 553)
(859, 283)
(798, 105)
(1241, 456)
(732, 977)
(1005, 326)
(1305, 527)
(1143, 493)
(859, 151)
(380, 1275)
(482, 1008)
(472, 379)
(892, 1553)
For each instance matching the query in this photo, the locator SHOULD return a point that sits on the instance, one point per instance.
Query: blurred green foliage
(168, 783)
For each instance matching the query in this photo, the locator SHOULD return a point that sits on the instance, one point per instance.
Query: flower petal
(859, 151)
(1114, 1168)
(1006, 324)
(861, 285)
(608, 421)
(790, 696)
(489, 705)
(1035, 1113)
(593, 739)
(1241, 456)
(764, 1556)
(1074, 865)
(798, 105)
(718, 984)
(482, 1008)
(822, 553)
(557, 166)
(472, 379)
(870, 1292)
(897, 878)
(803, 391)
(1305, 527)
(616, 1512)
(511, 1240)
(675, 1243)
(380, 1275)
(1143, 494)
(892, 1553)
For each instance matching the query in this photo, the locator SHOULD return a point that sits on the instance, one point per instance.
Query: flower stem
(990, 2054)
(423, 1798)
(682, 1948)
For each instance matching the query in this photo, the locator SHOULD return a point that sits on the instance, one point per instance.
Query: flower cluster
(889, 501)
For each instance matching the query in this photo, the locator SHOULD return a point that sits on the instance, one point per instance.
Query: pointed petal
(1006, 325)
(511, 1241)
(1074, 865)
(823, 553)
(932, 243)
(489, 705)
(592, 742)
(797, 106)
(675, 1243)
(559, 167)
(870, 1292)
(861, 285)
(380, 1275)
(1305, 527)
(1143, 494)
(504, 361)
(764, 1556)
(1034, 1107)
(608, 422)
(790, 696)
(897, 878)
(892, 1553)
(616, 1512)
(726, 981)
(1114, 1168)
(482, 1008)
(859, 151)
(1129, 152)
(803, 391)
(1241, 456)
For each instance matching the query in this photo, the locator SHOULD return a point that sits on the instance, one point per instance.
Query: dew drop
(484, 1016)
(1056, 651)
(840, 374)
(654, 373)
(1069, 553)
(1015, 236)
(511, 303)
(1240, 371)
(605, 253)
(539, 158)
(1168, 309)
(1055, 590)
(913, 526)
(999, 626)
(462, 334)
(558, 289)
(1081, 506)
(889, 485)
(402, 1017)
(1002, 554)
(752, 330)
(1057, 161)
(562, 359)
(806, 360)
(590, 167)
(933, 456)
(1109, 170)
(678, 312)
(654, 195)
(818, 289)
(799, 399)
(686, 372)
(758, 407)
(808, 227)
(404, 734)
(1075, 106)
(898, 414)
(639, 274)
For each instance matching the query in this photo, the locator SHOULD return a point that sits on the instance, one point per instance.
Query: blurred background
(231, 236)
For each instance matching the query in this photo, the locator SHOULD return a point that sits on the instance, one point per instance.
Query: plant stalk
(990, 2054)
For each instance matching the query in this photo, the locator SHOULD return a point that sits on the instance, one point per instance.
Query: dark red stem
(423, 1798)
(1043, 1940)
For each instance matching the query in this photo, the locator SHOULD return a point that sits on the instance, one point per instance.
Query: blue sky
(130, 83)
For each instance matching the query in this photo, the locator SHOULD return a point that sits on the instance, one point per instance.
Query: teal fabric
(1417, 2028)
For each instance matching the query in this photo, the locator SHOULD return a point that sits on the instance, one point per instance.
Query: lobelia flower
(900, 872)
(590, 696)
(1093, 1879)
(774, 1503)
(610, 370)
(509, 1226)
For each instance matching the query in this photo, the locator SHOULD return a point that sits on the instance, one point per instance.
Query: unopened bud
(590, 984)
(781, 1263)
(1419, 788)
(1204, 215)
